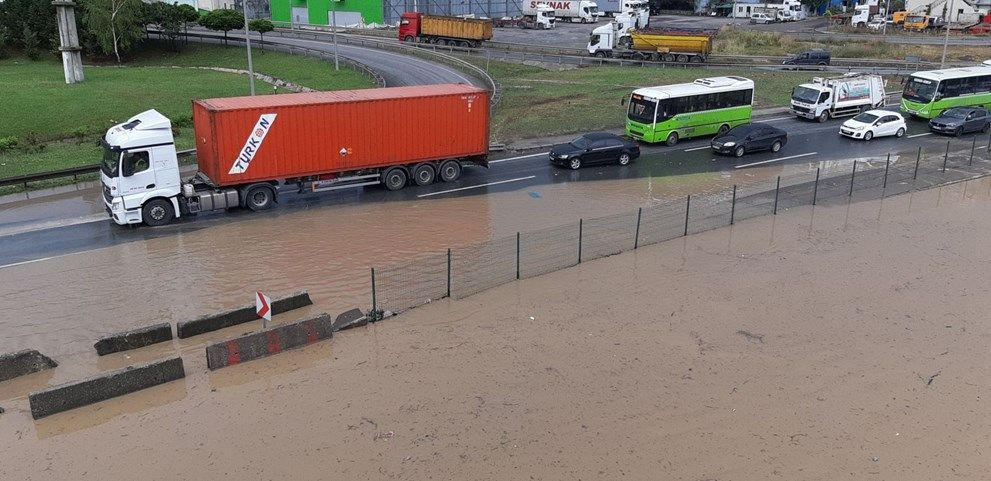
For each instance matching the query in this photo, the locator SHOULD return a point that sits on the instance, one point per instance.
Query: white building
(959, 11)
(794, 7)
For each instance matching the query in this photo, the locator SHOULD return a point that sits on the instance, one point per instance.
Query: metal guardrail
(73, 172)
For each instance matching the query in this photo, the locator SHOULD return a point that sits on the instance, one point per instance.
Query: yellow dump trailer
(673, 47)
(469, 29)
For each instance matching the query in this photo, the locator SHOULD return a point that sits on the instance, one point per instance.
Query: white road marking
(919, 135)
(697, 148)
(776, 160)
(478, 186)
(777, 119)
(518, 158)
(42, 225)
(32, 261)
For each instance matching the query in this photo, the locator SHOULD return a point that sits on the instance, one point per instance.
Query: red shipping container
(240, 140)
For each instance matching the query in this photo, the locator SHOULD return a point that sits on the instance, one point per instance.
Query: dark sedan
(750, 138)
(961, 120)
(595, 148)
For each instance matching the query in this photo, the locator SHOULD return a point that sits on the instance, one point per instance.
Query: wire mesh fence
(463, 271)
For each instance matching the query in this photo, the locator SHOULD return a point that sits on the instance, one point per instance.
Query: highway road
(61, 225)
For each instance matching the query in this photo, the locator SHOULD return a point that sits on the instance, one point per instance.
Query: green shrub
(8, 143)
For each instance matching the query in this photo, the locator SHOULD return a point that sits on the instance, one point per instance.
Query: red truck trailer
(249, 147)
(445, 30)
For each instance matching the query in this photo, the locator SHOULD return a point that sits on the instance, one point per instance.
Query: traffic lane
(507, 174)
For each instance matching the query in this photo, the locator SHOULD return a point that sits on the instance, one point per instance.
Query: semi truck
(653, 44)
(837, 96)
(537, 16)
(444, 30)
(583, 11)
(251, 150)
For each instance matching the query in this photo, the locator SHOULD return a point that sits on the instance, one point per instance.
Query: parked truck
(837, 96)
(583, 11)
(250, 150)
(445, 30)
(538, 16)
(653, 44)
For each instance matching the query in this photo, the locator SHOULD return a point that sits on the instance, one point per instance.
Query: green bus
(929, 93)
(707, 106)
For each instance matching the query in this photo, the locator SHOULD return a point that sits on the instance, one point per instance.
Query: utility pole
(247, 42)
(884, 28)
(946, 39)
(72, 63)
(333, 20)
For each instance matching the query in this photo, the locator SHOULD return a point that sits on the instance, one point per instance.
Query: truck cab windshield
(919, 90)
(642, 109)
(805, 94)
(111, 161)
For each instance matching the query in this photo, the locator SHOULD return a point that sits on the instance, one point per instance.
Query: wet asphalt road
(810, 145)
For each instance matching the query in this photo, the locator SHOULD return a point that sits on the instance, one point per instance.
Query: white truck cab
(826, 98)
(539, 16)
(140, 171)
(638, 10)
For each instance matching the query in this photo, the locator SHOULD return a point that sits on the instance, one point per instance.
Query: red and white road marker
(263, 306)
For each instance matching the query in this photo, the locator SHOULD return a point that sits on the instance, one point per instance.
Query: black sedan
(750, 138)
(595, 148)
(961, 120)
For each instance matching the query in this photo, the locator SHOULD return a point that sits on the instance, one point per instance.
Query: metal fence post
(448, 272)
(915, 173)
(972, 147)
(776, 189)
(636, 237)
(852, 176)
(517, 255)
(375, 307)
(946, 155)
(580, 240)
(688, 205)
(815, 187)
(732, 209)
(887, 163)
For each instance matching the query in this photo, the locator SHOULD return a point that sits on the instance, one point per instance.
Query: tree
(32, 46)
(170, 20)
(815, 5)
(116, 24)
(189, 15)
(224, 20)
(4, 41)
(37, 15)
(262, 26)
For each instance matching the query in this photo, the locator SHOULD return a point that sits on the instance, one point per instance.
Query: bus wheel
(450, 171)
(722, 130)
(394, 178)
(424, 174)
(157, 212)
(672, 139)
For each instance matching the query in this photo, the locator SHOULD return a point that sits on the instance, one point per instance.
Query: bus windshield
(920, 90)
(642, 109)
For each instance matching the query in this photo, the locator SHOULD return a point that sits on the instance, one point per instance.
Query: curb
(240, 315)
(24, 362)
(268, 342)
(349, 319)
(133, 339)
(105, 386)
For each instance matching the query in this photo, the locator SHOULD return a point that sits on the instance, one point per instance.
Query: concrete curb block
(270, 341)
(133, 339)
(105, 386)
(240, 315)
(349, 319)
(24, 362)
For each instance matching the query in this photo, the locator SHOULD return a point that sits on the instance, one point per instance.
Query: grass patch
(537, 102)
(56, 126)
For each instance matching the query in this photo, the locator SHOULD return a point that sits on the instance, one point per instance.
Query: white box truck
(583, 11)
(837, 96)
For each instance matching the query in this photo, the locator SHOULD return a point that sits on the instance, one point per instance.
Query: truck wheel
(669, 57)
(697, 59)
(682, 58)
(394, 178)
(672, 139)
(450, 171)
(157, 212)
(423, 174)
(408, 39)
(600, 54)
(258, 198)
(824, 116)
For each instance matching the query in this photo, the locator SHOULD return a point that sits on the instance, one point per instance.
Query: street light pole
(884, 28)
(946, 39)
(333, 20)
(247, 42)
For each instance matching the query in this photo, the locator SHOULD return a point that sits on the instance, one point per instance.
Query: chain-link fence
(463, 271)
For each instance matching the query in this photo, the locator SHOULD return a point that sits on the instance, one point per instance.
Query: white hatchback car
(874, 123)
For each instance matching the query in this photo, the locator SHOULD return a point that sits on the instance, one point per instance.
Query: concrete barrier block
(349, 319)
(240, 315)
(105, 386)
(270, 341)
(127, 340)
(23, 362)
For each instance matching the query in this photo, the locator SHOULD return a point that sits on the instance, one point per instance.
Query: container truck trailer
(249, 149)
(445, 30)
(837, 96)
